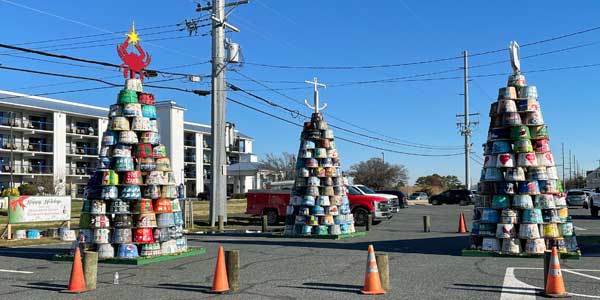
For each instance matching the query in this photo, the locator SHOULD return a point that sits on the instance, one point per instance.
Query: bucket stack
(131, 207)
(318, 204)
(521, 207)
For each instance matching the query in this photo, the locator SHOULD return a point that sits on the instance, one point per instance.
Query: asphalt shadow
(182, 287)
(32, 253)
(332, 287)
(590, 245)
(451, 245)
(43, 286)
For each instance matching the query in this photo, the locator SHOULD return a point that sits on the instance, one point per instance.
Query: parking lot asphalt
(423, 265)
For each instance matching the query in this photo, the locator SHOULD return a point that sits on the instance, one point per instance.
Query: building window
(241, 145)
(39, 145)
(38, 122)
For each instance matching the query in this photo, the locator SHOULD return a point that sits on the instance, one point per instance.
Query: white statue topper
(513, 49)
(315, 96)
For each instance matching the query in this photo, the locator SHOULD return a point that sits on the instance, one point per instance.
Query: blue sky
(341, 33)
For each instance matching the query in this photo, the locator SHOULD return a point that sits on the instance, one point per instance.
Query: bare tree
(377, 174)
(284, 164)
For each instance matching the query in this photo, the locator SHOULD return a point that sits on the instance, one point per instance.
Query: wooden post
(369, 222)
(90, 269)
(69, 224)
(384, 270)
(426, 224)
(265, 223)
(232, 263)
(221, 224)
(9, 229)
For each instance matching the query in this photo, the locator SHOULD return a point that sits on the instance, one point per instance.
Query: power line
(400, 142)
(139, 29)
(297, 113)
(341, 138)
(89, 26)
(80, 90)
(81, 59)
(429, 61)
(50, 47)
(91, 35)
(198, 92)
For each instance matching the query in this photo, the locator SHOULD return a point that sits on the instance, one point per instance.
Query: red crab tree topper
(132, 62)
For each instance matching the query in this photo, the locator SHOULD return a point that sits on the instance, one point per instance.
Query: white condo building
(56, 145)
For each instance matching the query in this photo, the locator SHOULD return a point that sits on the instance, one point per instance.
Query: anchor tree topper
(133, 63)
(315, 96)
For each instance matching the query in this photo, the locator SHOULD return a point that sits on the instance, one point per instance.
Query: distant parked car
(402, 203)
(576, 197)
(462, 197)
(418, 196)
(393, 202)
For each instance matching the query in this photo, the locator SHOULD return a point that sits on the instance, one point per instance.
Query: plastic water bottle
(116, 278)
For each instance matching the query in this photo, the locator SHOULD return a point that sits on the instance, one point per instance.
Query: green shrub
(28, 189)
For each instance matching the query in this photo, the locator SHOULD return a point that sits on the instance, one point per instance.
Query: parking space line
(15, 271)
(581, 274)
(514, 289)
(518, 290)
(579, 228)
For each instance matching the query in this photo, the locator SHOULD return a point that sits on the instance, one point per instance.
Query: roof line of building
(54, 100)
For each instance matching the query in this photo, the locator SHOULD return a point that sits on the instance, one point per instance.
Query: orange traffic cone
(372, 281)
(555, 285)
(462, 227)
(77, 281)
(220, 282)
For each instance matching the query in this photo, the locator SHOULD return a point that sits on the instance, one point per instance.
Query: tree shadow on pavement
(183, 287)
(590, 245)
(438, 246)
(333, 287)
(32, 253)
(44, 286)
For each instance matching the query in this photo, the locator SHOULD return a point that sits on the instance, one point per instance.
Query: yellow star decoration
(133, 36)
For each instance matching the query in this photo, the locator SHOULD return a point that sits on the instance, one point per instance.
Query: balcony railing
(76, 150)
(39, 125)
(81, 171)
(22, 123)
(34, 169)
(191, 143)
(190, 174)
(83, 130)
(28, 146)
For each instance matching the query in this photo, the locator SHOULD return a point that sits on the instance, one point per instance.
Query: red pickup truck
(272, 202)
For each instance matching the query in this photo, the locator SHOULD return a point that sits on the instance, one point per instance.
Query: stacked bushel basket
(318, 204)
(521, 207)
(131, 204)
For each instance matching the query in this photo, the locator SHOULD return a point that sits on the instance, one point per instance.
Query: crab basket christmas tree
(131, 207)
(521, 208)
(318, 204)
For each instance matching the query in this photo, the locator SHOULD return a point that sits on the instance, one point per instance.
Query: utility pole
(218, 183)
(577, 173)
(383, 157)
(465, 127)
(562, 146)
(570, 167)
